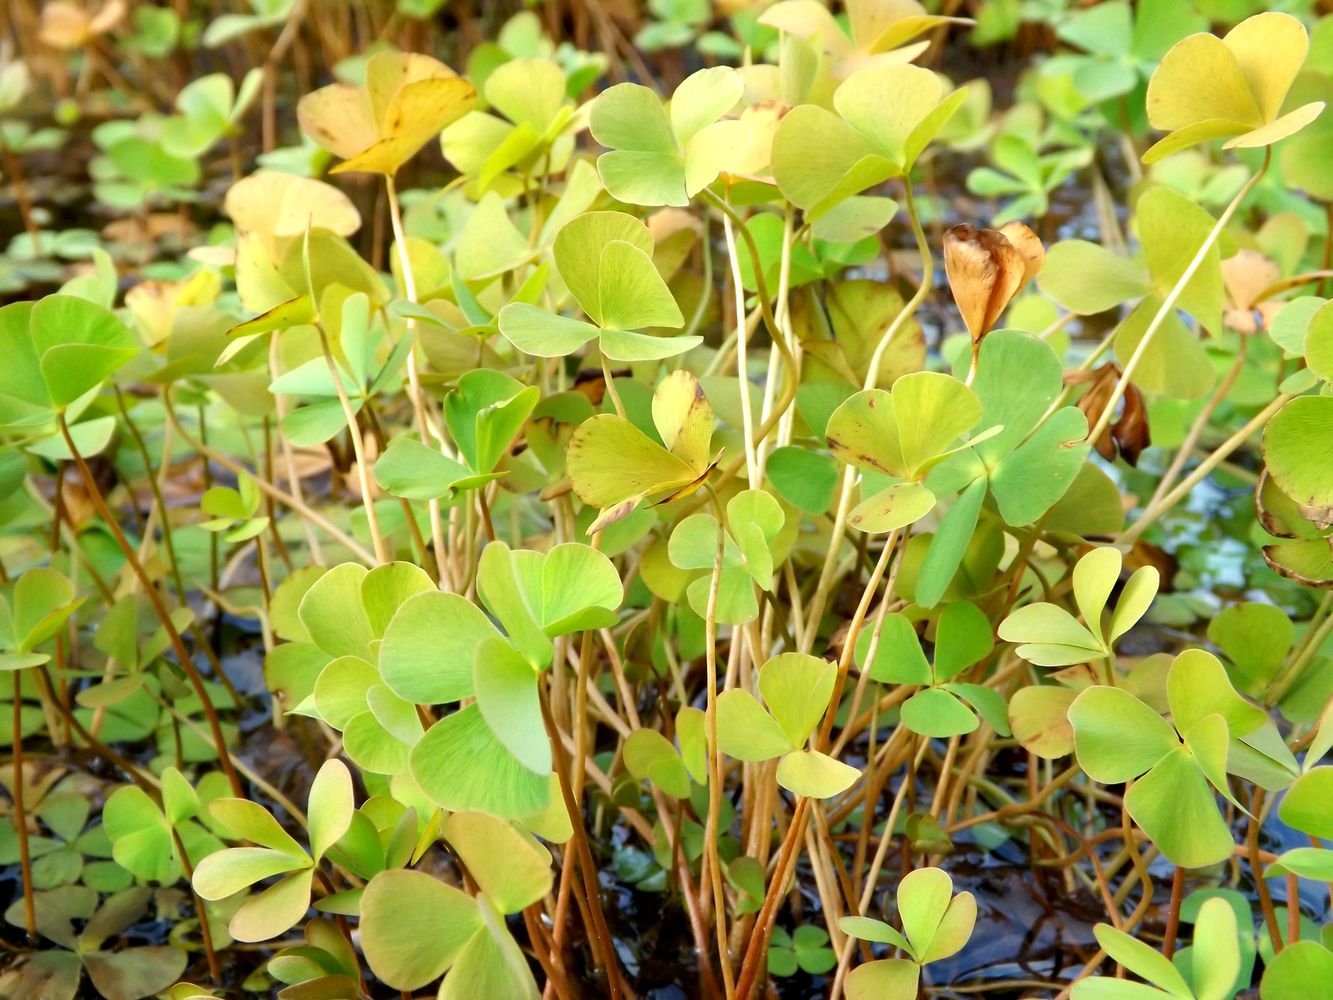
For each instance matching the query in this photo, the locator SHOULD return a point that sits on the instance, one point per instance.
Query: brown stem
(600, 933)
(1173, 914)
(21, 814)
(154, 598)
(205, 932)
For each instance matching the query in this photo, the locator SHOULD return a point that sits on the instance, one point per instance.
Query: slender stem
(715, 774)
(307, 512)
(205, 932)
(1169, 303)
(1173, 913)
(417, 397)
(154, 598)
(826, 575)
(599, 933)
(1201, 471)
(358, 448)
(21, 813)
(1200, 423)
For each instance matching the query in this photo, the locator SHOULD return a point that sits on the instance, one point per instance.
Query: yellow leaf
(406, 101)
(277, 206)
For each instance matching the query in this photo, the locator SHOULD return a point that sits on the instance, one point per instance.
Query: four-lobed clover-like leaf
(406, 100)
(901, 433)
(962, 639)
(1213, 962)
(796, 689)
(605, 259)
(1051, 637)
(936, 925)
(1177, 766)
(666, 158)
(886, 116)
(282, 905)
(613, 465)
(1230, 88)
(415, 928)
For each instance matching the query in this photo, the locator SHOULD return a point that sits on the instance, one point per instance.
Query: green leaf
(745, 731)
(1050, 635)
(818, 160)
(936, 713)
(430, 646)
(512, 870)
(1031, 480)
(898, 656)
(510, 586)
(535, 331)
(954, 930)
(1294, 968)
(491, 965)
(1172, 228)
(1216, 953)
(43, 601)
(1174, 805)
(1135, 598)
(459, 764)
(332, 613)
(815, 775)
(1197, 685)
(889, 979)
(506, 689)
(485, 414)
(1039, 717)
(227, 872)
(949, 544)
(631, 293)
(923, 899)
(649, 756)
(248, 820)
(796, 687)
(804, 479)
(409, 954)
(1142, 960)
(387, 588)
(331, 806)
(489, 243)
(340, 690)
(892, 508)
(140, 838)
(898, 107)
(1256, 638)
(963, 638)
(80, 345)
(1174, 363)
(1086, 278)
(1294, 450)
(580, 590)
(413, 471)
(1118, 737)
(1308, 804)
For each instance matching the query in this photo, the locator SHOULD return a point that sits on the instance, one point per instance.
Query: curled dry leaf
(1129, 434)
(1249, 277)
(68, 26)
(987, 268)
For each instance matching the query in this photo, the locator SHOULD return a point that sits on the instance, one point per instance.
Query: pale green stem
(1169, 303)
(826, 574)
(418, 399)
(742, 357)
(1201, 471)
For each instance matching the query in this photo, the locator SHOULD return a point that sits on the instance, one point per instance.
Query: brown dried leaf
(986, 270)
